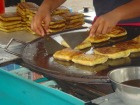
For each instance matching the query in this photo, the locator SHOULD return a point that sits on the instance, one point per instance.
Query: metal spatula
(73, 39)
(51, 45)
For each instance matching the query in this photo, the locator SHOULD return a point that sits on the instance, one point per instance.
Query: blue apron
(104, 6)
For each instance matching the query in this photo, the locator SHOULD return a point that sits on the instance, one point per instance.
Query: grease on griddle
(41, 57)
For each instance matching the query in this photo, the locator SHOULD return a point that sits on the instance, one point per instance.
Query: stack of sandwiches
(57, 24)
(74, 20)
(27, 10)
(61, 10)
(10, 22)
(30, 14)
(61, 19)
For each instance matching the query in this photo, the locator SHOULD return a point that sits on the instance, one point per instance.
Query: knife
(73, 39)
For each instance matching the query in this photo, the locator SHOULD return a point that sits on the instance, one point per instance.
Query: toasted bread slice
(83, 45)
(57, 18)
(10, 16)
(117, 32)
(32, 11)
(57, 26)
(56, 30)
(3, 23)
(89, 60)
(64, 43)
(21, 12)
(112, 52)
(137, 39)
(66, 54)
(12, 30)
(61, 10)
(131, 46)
(30, 30)
(11, 26)
(73, 21)
(75, 25)
(98, 39)
(73, 15)
(27, 5)
(57, 22)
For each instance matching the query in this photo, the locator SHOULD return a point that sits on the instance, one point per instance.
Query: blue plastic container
(28, 74)
(20, 71)
(11, 67)
(15, 90)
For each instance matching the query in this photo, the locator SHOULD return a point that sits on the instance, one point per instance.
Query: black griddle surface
(36, 57)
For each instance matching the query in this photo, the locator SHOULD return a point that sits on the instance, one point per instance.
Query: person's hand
(104, 24)
(38, 19)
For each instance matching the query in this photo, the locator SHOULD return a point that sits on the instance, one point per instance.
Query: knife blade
(73, 39)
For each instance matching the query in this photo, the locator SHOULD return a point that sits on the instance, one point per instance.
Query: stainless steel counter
(20, 35)
(6, 37)
(6, 57)
(111, 99)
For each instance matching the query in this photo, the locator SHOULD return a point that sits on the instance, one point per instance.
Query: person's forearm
(51, 5)
(128, 11)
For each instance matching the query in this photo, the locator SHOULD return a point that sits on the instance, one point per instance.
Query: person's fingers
(109, 29)
(37, 26)
(32, 26)
(105, 29)
(46, 23)
(93, 29)
(99, 29)
(41, 30)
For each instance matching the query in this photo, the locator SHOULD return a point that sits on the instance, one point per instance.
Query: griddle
(35, 57)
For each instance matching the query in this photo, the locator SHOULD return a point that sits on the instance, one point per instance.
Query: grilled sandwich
(117, 32)
(89, 59)
(112, 52)
(66, 54)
